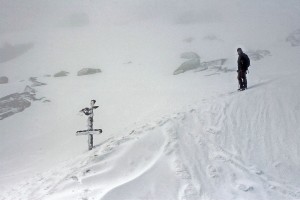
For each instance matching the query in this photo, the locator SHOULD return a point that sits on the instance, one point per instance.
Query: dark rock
(258, 54)
(192, 63)
(195, 64)
(15, 103)
(190, 55)
(29, 90)
(3, 80)
(215, 65)
(46, 101)
(88, 71)
(294, 38)
(35, 83)
(61, 74)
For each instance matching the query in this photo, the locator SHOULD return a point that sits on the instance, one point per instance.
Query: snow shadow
(9, 52)
(261, 84)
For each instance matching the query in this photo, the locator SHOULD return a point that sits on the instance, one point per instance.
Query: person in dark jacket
(243, 63)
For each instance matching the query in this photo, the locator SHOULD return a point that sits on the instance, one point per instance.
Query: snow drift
(165, 136)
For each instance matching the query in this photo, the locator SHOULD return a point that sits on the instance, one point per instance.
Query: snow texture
(165, 137)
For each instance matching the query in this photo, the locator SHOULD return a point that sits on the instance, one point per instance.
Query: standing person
(243, 63)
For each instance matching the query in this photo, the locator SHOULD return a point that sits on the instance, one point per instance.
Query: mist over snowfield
(167, 133)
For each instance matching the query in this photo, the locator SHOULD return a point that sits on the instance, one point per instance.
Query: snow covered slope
(184, 136)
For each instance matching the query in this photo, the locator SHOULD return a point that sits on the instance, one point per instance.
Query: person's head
(93, 102)
(239, 50)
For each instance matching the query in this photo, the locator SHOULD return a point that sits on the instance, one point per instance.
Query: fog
(19, 15)
(69, 33)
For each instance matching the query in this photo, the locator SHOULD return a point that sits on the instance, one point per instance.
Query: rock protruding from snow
(29, 90)
(214, 65)
(192, 63)
(258, 54)
(190, 55)
(88, 71)
(3, 79)
(14, 103)
(35, 83)
(61, 74)
(294, 38)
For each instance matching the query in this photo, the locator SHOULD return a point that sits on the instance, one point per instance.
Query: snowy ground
(186, 136)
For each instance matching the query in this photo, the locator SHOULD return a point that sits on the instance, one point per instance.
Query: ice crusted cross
(90, 130)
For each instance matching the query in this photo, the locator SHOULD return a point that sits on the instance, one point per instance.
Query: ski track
(168, 147)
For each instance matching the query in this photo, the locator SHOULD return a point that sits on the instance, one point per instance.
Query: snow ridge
(181, 154)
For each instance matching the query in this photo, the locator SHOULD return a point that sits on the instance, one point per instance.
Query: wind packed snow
(163, 74)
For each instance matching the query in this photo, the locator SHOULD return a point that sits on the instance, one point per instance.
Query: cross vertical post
(90, 130)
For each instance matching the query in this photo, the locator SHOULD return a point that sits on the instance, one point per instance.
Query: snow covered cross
(90, 131)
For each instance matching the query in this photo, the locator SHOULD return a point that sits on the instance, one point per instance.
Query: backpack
(244, 61)
(247, 63)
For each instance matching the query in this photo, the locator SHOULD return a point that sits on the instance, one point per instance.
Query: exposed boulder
(192, 63)
(258, 54)
(14, 103)
(190, 55)
(61, 74)
(215, 65)
(88, 71)
(29, 90)
(35, 83)
(294, 38)
(3, 79)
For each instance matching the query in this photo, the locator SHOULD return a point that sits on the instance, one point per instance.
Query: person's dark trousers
(242, 79)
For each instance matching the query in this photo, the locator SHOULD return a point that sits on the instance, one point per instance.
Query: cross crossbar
(87, 132)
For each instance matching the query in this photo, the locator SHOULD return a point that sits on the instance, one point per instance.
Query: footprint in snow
(245, 188)
(212, 171)
(212, 131)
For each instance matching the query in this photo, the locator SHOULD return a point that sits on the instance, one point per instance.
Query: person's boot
(241, 84)
(245, 83)
(241, 88)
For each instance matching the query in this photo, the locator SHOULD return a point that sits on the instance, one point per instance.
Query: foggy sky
(27, 14)
(16, 15)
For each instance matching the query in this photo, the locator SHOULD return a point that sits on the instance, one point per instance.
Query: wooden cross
(90, 131)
